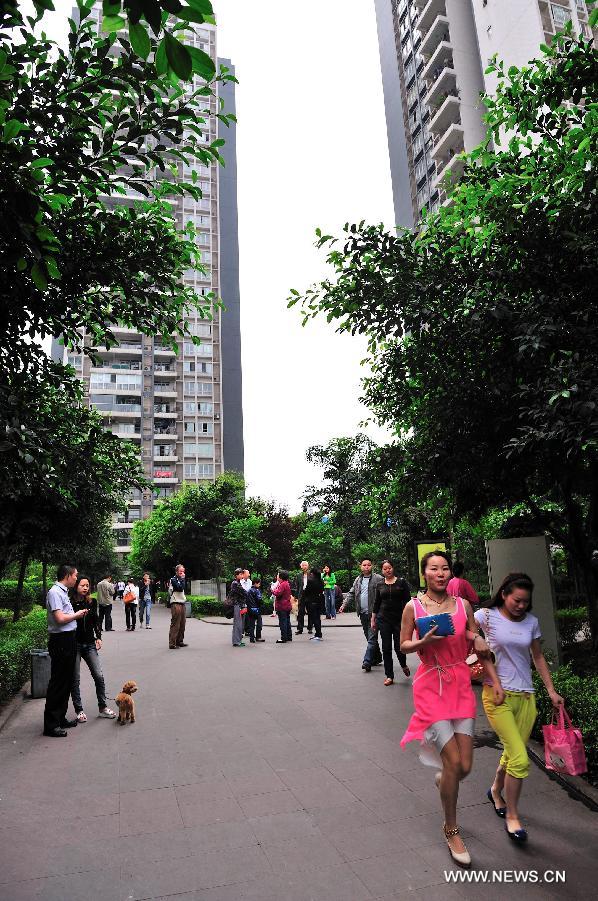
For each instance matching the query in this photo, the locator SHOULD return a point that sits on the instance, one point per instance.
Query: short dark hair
(256, 581)
(458, 569)
(283, 575)
(390, 563)
(366, 560)
(438, 553)
(64, 570)
(513, 580)
(239, 570)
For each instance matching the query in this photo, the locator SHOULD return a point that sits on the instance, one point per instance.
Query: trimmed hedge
(572, 620)
(581, 701)
(207, 606)
(8, 593)
(16, 640)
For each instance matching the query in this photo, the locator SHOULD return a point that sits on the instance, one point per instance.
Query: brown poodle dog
(126, 704)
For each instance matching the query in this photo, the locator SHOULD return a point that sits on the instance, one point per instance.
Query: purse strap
(564, 720)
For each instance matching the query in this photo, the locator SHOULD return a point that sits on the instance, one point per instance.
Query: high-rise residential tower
(183, 410)
(433, 55)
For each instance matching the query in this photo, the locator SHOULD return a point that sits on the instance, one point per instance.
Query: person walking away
(178, 609)
(329, 580)
(147, 597)
(119, 590)
(89, 643)
(254, 611)
(282, 593)
(445, 705)
(459, 587)
(363, 594)
(513, 633)
(314, 601)
(392, 594)
(238, 595)
(105, 593)
(62, 647)
(131, 600)
(302, 608)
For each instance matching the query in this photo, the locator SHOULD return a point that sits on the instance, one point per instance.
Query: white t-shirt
(511, 643)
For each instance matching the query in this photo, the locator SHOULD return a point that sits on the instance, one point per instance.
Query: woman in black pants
(313, 594)
(391, 596)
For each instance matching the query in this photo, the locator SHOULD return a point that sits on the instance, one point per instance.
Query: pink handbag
(563, 746)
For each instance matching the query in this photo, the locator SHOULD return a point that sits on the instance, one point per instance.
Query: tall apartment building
(183, 410)
(433, 55)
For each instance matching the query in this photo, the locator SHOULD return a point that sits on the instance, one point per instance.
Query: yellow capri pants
(512, 721)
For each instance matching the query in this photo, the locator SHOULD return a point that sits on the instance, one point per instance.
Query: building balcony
(116, 389)
(447, 114)
(442, 58)
(123, 411)
(169, 435)
(165, 412)
(162, 458)
(123, 330)
(160, 351)
(451, 140)
(165, 392)
(444, 84)
(438, 32)
(130, 436)
(121, 523)
(165, 480)
(165, 369)
(430, 10)
(449, 170)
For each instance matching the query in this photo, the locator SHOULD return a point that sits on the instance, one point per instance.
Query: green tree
(482, 327)
(319, 542)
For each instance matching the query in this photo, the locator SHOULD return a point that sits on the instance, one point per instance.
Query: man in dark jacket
(238, 596)
(363, 594)
(302, 609)
(178, 609)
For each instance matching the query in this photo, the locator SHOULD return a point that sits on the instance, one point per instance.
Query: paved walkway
(257, 774)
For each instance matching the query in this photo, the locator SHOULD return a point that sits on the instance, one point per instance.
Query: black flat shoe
(519, 836)
(68, 724)
(56, 733)
(499, 811)
(366, 669)
(281, 641)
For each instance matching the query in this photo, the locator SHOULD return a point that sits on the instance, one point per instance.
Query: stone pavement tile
(96, 885)
(349, 766)
(135, 773)
(316, 851)
(204, 870)
(312, 776)
(220, 893)
(219, 836)
(296, 825)
(320, 884)
(268, 803)
(150, 810)
(402, 868)
(323, 795)
(361, 842)
(223, 810)
(332, 819)
(439, 892)
(255, 783)
(199, 792)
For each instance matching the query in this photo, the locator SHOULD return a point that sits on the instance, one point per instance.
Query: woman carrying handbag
(513, 633)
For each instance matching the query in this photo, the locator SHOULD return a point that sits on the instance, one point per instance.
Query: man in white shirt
(62, 645)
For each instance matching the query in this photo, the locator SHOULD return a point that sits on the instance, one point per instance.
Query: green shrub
(572, 620)
(32, 591)
(207, 606)
(581, 701)
(16, 640)
(5, 616)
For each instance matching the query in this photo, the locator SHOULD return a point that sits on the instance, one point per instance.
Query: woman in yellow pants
(513, 632)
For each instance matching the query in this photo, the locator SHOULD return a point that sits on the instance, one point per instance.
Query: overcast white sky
(312, 151)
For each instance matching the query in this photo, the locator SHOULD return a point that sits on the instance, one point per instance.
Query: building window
(560, 16)
(199, 470)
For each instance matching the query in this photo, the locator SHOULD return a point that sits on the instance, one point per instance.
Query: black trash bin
(40, 673)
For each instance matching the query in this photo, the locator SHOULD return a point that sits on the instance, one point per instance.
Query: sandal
(461, 857)
(389, 681)
(81, 718)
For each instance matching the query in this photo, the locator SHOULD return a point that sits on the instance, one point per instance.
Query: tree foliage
(482, 327)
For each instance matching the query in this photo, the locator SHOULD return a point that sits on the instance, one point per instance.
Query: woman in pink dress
(445, 705)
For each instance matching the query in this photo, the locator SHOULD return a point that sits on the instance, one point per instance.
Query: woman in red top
(282, 605)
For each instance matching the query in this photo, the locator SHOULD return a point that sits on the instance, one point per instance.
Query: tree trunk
(45, 576)
(16, 612)
(580, 547)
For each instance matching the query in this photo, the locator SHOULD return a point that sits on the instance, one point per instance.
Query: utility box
(40, 673)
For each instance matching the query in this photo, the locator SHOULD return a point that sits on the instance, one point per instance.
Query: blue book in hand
(444, 621)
